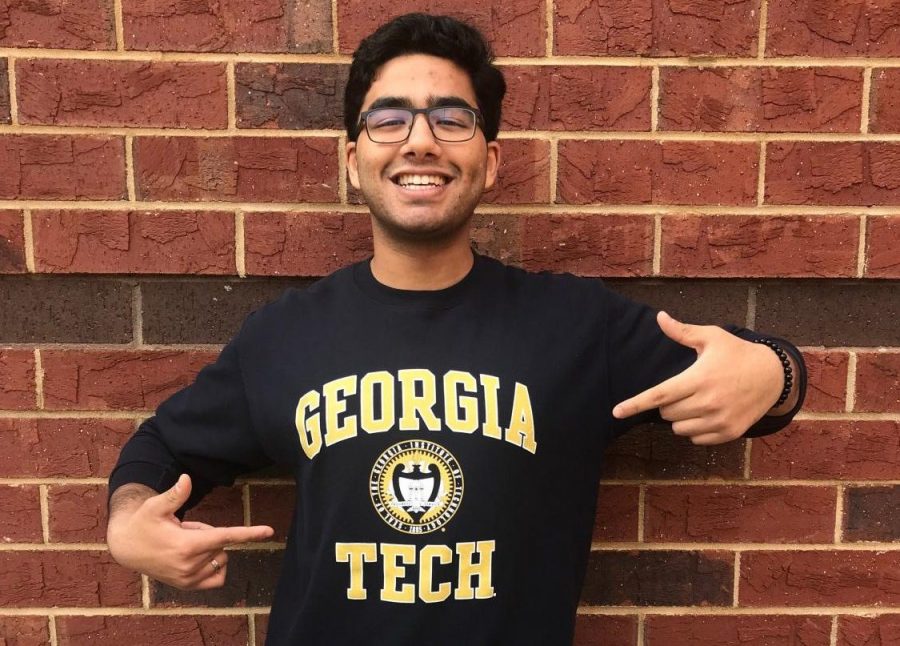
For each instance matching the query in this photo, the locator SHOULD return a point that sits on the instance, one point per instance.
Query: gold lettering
(415, 406)
(444, 555)
(393, 573)
(335, 404)
(469, 569)
(454, 381)
(307, 422)
(355, 554)
(385, 382)
(491, 426)
(521, 421)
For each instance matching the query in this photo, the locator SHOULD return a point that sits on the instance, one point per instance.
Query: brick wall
(166, 167)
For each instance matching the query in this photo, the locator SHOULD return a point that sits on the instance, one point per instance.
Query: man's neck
(421, 268)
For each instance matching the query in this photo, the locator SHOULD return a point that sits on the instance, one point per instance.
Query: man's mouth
(419, 182)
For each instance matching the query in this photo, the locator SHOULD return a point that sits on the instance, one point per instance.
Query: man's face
(459, 172)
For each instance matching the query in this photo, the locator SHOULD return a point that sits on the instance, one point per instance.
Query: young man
(444, 415)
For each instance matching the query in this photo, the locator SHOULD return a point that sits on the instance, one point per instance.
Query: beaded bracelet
(785, 365)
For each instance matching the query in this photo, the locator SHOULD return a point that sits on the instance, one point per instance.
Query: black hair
(441, 36)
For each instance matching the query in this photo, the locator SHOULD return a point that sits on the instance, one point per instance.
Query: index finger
(216, 538)
(668, 392)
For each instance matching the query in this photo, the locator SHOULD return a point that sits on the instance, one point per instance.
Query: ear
(492, 165)
(352, 169)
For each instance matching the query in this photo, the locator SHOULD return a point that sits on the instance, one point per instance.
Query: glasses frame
(364, 122)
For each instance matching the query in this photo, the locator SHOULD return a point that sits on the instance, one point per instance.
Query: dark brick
(252, 575)
(152, 630)
(696, 301)
(4, 92)
(605, 630)
(870, 514)
(25, 631)
(204, 311)
(223, 507)
(292, 96)
(65, 310)
(653, 451)
(659, 578)
(759, 630)
(273, 505)
(617, 513)
(12, 243)
(228, 26)
(74, 24)
(831, 313)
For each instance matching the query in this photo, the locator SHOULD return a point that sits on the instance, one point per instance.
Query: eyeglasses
(393, 125)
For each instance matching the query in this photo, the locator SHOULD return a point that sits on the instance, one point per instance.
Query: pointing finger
(668, 392)
(218, 537)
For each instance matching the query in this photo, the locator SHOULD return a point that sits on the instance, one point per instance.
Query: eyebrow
(433, 102)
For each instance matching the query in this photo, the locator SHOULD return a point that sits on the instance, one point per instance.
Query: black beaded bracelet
(785, 365)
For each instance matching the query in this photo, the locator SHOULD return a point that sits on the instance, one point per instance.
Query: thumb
(683, 333)
(168, 502)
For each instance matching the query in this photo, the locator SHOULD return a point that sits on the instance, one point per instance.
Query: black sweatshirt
(446, 447)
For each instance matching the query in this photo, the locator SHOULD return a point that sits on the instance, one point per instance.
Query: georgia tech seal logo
(416, 486)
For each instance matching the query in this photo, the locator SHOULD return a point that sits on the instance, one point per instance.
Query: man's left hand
(731, 385)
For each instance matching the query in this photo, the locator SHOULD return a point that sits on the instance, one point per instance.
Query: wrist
(787, 394)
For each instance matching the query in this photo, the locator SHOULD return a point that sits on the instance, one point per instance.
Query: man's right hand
(144, 534)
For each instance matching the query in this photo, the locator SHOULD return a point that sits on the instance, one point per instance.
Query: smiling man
(443, 415)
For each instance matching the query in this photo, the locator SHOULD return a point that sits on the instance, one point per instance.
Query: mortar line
(51, 626)
(737, 579)
(120, 25)
(861, 251)
(642, 507)
(137, 316)
(834, 631)
(866, 100)
(641, 631)
(654, 99)
(657, 244)
(342, 169)
(39, 379)
(851, 382)
(761, 178)
(129, 168)
(251, 629)
(763, 29)
(145, 592)
(549, 16)
(231, 96)
(839, 515)
(240, 256)
(45, 512)
(245, 503)
(748, 452)
(554, 168)
(335, 33)
(752, 296)
(726, 611)
(28, 235)
(13, 92)
(56, 611)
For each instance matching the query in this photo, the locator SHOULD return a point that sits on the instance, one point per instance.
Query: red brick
(827, 386)
(774, 246)
(61, 167)
(776, 99)
(829, 450)
(757, 630)
(884, 102)
(54, 448)
(122, 93)
(74, 24)
(524, 176)
(880, 630)
(833, 28)
(153, 630)
(262, 628)
(656, 27)
(878, 382)
(77, 513)
(739, 514)
(12, 243)
(24, 631)
(616, 518)
(883, 247)
(305, 244)
(236, 169)
(134, 242)
(4, 92)
(605, 630)
(117, 379)
(513, 27)
(223, 507)
(820, 578)
(833, 173)
(290, 95)
(273, 505)
(20, 514)
(580, 97)
(17, 384)
(644, 172)
(228, 26)
(76, 579)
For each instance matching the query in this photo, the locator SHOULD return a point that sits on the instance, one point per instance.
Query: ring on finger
(215, 565)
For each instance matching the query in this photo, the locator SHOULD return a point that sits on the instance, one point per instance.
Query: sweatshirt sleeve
(640, 356)
(204, 430)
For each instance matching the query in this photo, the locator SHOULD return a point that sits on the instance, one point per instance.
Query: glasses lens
(388, 125)
(452, 124)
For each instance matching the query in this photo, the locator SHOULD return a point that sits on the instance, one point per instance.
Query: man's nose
(421, 138)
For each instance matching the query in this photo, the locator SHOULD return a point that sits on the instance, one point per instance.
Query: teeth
(421, 180)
